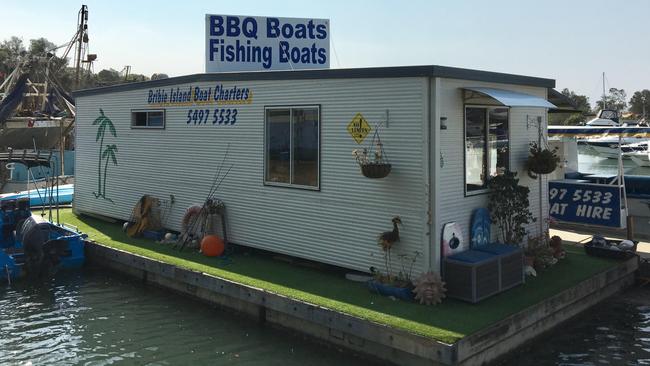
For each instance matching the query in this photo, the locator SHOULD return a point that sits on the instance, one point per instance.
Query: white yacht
(607, 147)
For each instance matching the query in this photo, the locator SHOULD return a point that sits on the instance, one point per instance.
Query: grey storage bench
(476, 274)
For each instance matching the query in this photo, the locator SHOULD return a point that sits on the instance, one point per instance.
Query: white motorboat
(640, 158)
(607, 147)
(605, 118)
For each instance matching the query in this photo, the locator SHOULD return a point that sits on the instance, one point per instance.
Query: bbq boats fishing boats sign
(245, 43)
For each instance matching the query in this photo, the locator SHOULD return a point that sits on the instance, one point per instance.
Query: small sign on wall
(359, 128)
(586, 203)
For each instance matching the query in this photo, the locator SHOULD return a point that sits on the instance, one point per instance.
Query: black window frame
(291, 107)
(147, 111)
(484, 190)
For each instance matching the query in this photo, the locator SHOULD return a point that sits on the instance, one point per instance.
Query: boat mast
(604, 99)
(82, 38)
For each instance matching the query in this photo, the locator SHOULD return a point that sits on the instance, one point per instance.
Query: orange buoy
(212, 246)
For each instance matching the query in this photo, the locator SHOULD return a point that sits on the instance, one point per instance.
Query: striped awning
(593, 131)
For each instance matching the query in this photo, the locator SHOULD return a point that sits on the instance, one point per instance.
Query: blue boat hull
(43, 197)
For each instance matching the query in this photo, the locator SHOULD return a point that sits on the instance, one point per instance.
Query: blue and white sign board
(245, 43)
(586, 203)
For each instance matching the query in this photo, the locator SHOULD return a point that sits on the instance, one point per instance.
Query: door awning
(508, 98)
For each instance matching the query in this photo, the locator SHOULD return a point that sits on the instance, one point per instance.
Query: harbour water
(102, 318)
(614, 332)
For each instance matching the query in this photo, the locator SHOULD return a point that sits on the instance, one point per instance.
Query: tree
(617, 99)
(109, 77)
(509, 207)
(639, 100)
(40, 46)
(10, 51)
(581, 102)
(159, 76)
(136, 78)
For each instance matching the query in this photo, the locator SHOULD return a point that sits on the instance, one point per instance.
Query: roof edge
(353, 73)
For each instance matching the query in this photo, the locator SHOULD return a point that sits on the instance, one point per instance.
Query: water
(614, 332)
(100, 319)
(589, 162)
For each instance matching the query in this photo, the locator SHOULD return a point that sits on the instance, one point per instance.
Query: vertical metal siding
(338, 224)
(454, 205)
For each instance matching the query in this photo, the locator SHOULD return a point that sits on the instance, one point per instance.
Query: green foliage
(13, 50)
(581, 102)
(639, 100)
(539, 250)
(40, 46)
(159, 76)
(616, 99)
(541, 161)
(10, 51)
(509, 207)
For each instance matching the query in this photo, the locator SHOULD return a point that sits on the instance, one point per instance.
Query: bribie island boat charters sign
(200, 98)
(245, 43)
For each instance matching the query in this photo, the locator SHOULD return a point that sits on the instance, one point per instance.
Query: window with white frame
(292, 146)
(487, 145)
(148, 118)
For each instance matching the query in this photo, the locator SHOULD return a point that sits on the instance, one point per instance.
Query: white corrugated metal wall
(338, 224)
(454, 206)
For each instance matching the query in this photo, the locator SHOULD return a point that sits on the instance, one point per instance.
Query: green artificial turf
(447, 322)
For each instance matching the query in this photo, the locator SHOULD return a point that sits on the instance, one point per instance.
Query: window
(148, 119)
(292, 152)
(487, 146)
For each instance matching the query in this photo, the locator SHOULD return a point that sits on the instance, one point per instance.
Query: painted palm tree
(103, 123)
(109, 153)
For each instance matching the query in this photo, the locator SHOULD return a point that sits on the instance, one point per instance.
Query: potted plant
(509, 207)
(539, 254)
(401, 285)
(385, 283)
(541, 160)
(371, 167)
(372, 160)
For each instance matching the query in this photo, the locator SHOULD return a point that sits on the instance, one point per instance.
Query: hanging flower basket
(373, 160)
(375, 170)
(541, 161)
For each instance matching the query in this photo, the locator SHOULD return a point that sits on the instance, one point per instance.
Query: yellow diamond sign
(359, 128)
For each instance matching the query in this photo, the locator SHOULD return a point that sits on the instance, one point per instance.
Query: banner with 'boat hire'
(585, 203)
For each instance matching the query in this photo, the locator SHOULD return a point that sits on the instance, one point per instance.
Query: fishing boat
(29, 244)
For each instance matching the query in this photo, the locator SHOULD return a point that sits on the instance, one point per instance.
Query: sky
(573, 42)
